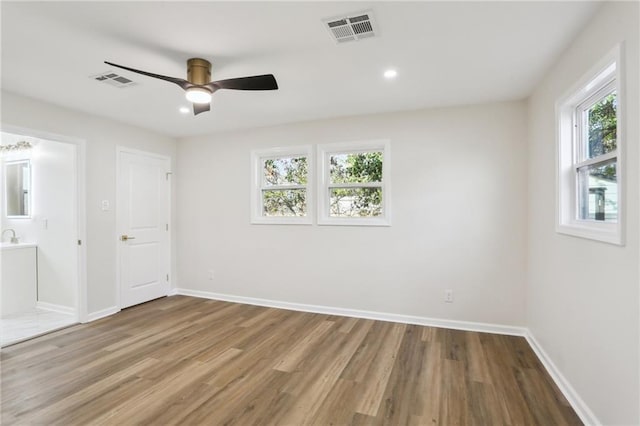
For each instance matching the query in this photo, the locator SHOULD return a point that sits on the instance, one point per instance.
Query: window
(589, 148)
(281, 186)
(354, 187)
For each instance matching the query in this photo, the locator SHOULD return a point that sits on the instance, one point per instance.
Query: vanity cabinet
(19, 278)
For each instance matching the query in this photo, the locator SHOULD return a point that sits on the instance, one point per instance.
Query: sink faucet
(14, 239)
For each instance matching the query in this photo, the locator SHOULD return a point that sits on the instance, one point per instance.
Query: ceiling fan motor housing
(198, 71)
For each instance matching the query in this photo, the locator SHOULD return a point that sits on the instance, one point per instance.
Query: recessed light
(184, 110)
(389, 74)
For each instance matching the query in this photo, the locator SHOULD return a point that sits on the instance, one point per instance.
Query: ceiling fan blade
(256, 82)
(198, 108)
(184, 84)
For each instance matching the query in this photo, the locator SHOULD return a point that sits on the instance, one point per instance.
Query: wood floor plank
(381, 370)
(454, 409)
(54, 411)
(54, 374)
(188, 401)
(157, 395)
(429, 334)
(430, 386)
(478, 364)
(338, 406)
(188, 361)
(310, 400)
(348, 324)
(359, 365)
(532, 385)
(261, 403)
(289, 361)
(401, 398)
(484, 407)
(263, 314)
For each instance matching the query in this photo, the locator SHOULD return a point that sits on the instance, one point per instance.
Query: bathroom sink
(9, 246)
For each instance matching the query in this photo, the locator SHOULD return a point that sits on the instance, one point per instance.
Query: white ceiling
(446, 53)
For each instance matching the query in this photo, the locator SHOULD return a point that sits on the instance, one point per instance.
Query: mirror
(18, 188)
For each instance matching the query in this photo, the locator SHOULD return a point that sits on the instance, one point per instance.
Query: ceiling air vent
(354, 27)
(114, 79)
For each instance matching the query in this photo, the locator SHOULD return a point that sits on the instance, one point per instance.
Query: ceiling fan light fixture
(198, 95)
(199, 88)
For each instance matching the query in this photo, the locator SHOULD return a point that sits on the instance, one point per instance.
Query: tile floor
(22, 326)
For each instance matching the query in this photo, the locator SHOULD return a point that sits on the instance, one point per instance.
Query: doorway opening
(42, 221)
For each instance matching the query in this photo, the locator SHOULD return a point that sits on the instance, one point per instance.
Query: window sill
(609, 233)
(281, 221)
(354, 222)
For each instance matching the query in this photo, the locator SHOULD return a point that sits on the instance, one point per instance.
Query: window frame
(324, 182)
(572, 151)
(257, 185)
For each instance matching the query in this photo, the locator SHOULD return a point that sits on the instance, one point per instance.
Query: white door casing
(143, 226)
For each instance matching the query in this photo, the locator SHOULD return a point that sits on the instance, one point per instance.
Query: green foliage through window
(598, 191)
(285, 172)
(355, 168)
(598, 188)
(355, 202)
(292, 202)
(602, 125)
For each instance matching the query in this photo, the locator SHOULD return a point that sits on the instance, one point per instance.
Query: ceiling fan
(199, 86)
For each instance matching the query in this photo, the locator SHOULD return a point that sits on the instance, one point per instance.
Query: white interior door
(143, 227)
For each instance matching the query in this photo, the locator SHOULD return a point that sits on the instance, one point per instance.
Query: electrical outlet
(211, 274)
(448, 296)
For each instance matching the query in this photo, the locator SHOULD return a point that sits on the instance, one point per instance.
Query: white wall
(101, 136)
(53, 217)
(582, 295)
(458, 178)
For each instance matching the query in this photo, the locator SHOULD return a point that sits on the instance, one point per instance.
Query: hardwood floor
(182, 360)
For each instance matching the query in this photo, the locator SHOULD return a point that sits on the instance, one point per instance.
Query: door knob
(126, 238)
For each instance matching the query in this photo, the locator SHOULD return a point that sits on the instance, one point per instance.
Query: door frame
(81, 308)
(123, 149)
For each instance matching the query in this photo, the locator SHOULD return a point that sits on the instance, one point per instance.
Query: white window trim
(324, 152)
(257, 156)
(567, 157)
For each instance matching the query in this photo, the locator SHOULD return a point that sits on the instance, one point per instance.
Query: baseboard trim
(172, 292)
(55, 308)
(379, 316)
(93, 316)
(581, 409)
